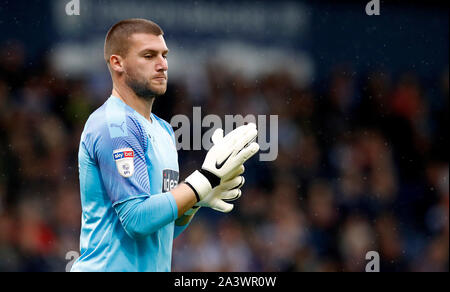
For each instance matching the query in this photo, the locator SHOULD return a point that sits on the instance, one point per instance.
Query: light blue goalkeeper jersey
(122, 157)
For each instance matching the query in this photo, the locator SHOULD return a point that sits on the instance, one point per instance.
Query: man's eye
(165, 56)
(148, 56)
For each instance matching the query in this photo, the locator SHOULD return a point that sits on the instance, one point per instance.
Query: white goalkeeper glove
(228, 190)
(223, 160)
(219, 197)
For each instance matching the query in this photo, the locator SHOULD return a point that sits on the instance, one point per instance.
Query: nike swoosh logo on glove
(219, 165)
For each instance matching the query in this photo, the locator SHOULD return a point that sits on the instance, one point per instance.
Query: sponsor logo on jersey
(118, 126)
(123, 154)
(170, 179)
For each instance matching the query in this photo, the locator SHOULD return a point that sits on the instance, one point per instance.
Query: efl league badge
(124, 161)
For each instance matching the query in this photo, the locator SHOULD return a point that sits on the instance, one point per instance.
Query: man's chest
(162, 160)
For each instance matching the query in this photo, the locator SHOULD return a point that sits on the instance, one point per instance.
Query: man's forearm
(143, 216)
(184, 197)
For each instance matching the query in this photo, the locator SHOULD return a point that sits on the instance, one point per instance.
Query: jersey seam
(143, 195)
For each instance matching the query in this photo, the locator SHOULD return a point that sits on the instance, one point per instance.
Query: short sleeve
(120, 154)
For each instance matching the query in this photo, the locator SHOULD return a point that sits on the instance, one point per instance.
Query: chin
(160, 92)
(157, 89)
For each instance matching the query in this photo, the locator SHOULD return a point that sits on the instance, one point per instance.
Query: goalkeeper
(132, 204)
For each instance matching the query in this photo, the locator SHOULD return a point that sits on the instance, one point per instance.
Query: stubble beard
(142, 89)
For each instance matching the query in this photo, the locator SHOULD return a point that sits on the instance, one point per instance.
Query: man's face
(146, 65)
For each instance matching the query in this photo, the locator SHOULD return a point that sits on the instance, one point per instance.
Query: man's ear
(116, 63)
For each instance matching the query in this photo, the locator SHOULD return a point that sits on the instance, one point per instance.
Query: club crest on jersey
(124, 159)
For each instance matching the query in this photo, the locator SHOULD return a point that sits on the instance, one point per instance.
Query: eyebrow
(154, 51)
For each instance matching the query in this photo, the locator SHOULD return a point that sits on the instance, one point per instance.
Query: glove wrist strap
(213, 179)
(199, 184)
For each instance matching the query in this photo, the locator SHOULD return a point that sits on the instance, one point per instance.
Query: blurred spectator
(356, 239)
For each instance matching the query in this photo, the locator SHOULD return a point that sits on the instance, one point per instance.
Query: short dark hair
(116, 41)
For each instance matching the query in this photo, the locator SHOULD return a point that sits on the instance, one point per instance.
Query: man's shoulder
(112, 119)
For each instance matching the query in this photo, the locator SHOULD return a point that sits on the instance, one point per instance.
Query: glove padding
(225, 157)
(228, 191)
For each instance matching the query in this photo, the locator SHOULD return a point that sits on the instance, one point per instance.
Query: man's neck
(142, 106)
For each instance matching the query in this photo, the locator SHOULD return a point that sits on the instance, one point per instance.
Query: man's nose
(161, 65)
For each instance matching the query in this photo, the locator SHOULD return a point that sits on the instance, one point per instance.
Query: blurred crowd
(362, 166)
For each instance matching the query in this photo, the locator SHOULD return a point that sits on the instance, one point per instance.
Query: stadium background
(363, 128)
